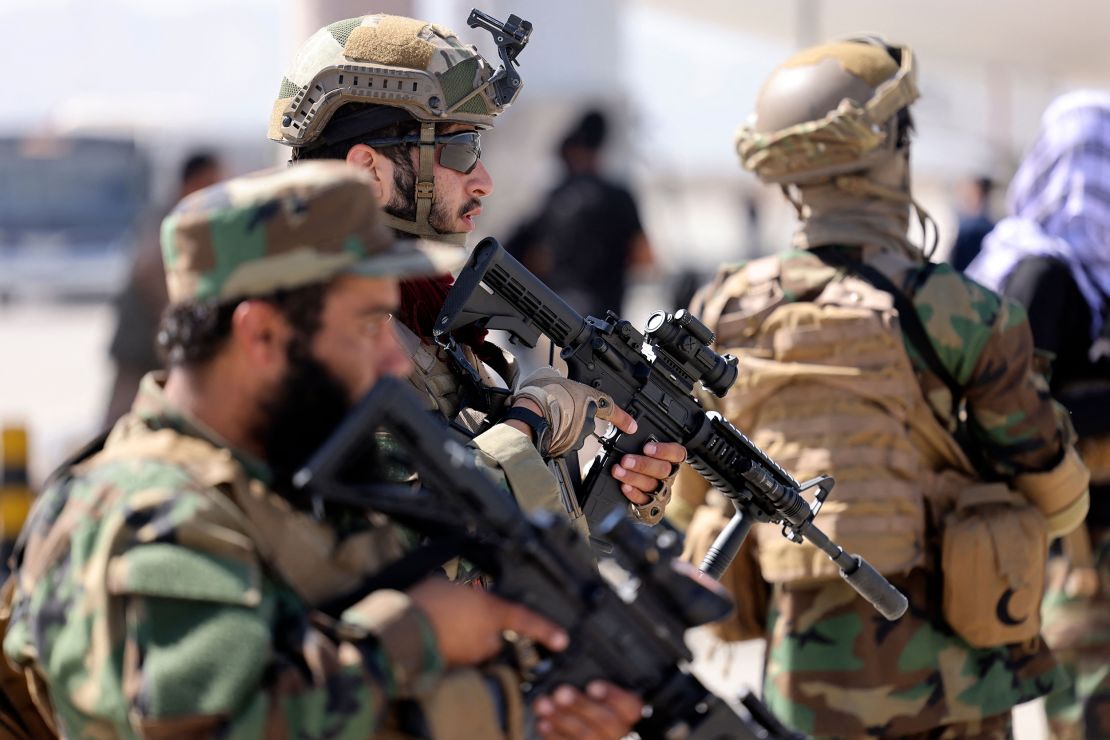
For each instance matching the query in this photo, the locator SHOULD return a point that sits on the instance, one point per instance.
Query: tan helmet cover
(384, 60)
(828, 110)
(392, 61)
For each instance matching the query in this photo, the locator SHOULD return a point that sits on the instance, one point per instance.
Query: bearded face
(309, 405)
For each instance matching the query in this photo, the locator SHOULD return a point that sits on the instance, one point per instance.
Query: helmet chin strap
(425, 193)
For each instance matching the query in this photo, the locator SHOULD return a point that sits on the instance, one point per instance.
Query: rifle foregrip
(870, 584)
(723, 550)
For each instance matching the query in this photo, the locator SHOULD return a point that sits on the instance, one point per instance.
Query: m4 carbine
(629, 632)
(652, 375)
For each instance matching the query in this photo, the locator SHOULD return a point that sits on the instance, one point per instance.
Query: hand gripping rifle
(629, 633)
(652, 377)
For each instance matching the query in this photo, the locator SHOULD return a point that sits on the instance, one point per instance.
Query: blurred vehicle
(70, 211)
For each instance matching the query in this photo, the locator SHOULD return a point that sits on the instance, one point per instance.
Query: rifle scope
(687, 340)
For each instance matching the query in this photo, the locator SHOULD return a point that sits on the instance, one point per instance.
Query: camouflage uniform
(835, 666)
(829, 128)
(1077, 626)
(404, 70)
(176, 605)
(164, 591)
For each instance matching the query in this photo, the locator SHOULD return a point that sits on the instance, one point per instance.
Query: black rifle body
(630, 635)
(495, 291)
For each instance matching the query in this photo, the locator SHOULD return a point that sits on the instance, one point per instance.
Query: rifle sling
(910, 322)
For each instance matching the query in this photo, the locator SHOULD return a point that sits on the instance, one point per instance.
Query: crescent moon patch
(1002, 609)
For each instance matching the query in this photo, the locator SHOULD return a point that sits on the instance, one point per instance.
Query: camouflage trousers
(836, 668)
(998, 727)
(1078, 630)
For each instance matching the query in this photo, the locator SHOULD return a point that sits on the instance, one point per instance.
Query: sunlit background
(161, 79)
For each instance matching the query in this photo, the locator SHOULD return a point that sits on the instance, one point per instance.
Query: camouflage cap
(285, 228)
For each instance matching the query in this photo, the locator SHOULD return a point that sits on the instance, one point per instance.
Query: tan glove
(652, 511)
(568, 407)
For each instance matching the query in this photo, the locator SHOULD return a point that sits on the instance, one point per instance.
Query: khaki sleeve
(463, 705)
(512, 457)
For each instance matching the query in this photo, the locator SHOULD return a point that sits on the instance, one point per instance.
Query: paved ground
(54, 376)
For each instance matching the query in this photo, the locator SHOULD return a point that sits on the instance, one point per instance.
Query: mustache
(470, 205)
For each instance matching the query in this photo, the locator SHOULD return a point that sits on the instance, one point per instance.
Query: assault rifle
(651, 375)
(629, 632)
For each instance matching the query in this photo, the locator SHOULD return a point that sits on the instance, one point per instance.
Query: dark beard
(307, 409)
(403, 203)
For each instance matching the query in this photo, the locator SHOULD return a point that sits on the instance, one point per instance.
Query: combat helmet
(830, 115)
(413, 70)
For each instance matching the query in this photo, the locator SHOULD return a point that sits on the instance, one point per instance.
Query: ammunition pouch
(994, 545)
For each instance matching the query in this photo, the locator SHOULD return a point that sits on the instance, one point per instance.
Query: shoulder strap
(910, 322)
(914, 331)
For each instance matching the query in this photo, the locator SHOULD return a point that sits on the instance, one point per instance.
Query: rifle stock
(494, 291)
(629, 633)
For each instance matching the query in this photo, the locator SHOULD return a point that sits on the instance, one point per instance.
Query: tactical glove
(568, 407)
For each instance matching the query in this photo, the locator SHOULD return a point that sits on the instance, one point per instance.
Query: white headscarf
(1060, 201)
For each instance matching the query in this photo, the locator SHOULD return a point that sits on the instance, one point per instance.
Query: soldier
(915, 388)
(169, 577)
(406, 101)
(1052, 254)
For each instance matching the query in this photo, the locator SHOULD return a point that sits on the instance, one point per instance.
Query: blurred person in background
(408, 102)
(1052, 254)
(915, 389)
(140, 304)
(973, 201)
(171, 580)
(587, 235)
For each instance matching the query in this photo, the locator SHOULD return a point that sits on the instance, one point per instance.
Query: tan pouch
(993, 551)
(462, 708)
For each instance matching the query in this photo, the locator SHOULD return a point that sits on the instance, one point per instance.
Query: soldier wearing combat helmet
(169, 580)
(913, 387)
(406, 101)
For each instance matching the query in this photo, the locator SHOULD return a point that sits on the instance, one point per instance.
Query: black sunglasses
(459, 152)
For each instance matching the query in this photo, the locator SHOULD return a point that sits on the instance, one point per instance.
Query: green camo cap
(285, 228)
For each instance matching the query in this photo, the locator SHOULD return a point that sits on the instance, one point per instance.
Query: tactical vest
(825, 387)
(303, 552)
(438, 384)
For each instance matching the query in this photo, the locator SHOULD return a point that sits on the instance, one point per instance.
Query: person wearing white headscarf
(1052, 254)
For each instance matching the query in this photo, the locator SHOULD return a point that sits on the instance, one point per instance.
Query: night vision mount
(511, 38)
